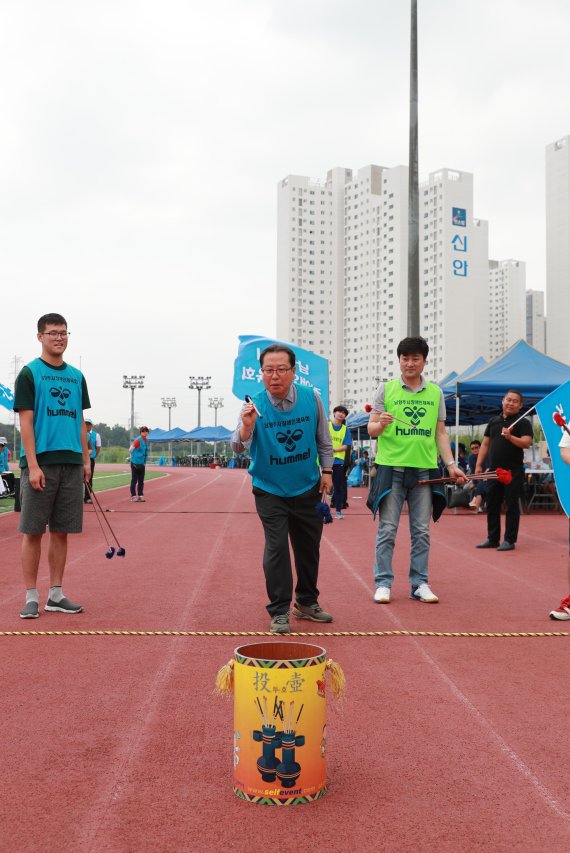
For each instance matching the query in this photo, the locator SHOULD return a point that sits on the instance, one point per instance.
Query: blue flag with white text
(6, 397)
(312, 369)
(557, 404)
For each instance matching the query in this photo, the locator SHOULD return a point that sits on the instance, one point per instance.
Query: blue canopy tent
(448, 379)
(478, 395)
(449, 383)
(219, 433)
(211, 434)
(156, 434)
(166, 435)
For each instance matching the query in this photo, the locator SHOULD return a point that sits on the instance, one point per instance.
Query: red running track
(441, 744)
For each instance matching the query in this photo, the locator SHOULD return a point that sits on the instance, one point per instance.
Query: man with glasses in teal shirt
(50, 396)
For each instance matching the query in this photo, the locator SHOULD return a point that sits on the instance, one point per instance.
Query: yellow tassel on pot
(338, 681)
(225, 679)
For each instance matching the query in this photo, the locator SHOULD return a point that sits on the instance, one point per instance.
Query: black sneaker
(280, 624)
(314, 612)
(30, 611)
(63, 606)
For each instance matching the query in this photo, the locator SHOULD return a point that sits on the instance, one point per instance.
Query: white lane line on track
(540, 789)
(485, 564)
(142, 519)
(133, 741)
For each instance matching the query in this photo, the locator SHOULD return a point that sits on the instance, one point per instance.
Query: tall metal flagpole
(413, 188)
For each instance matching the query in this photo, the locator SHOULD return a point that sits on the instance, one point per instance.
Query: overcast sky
(141, 144)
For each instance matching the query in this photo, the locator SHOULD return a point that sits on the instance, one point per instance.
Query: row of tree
(116, 436)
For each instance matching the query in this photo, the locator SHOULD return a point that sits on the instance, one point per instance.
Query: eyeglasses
(54, 335)
(280, 371)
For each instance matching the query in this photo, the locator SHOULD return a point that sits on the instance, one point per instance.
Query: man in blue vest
(138, 451)
(94, 445)
(285, 430)
(4, 455)
(408, 419)
(50, 397)
(341, 441)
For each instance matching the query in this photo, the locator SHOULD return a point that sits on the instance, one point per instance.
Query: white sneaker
(424, 593)
(338, 515)
(382, 595)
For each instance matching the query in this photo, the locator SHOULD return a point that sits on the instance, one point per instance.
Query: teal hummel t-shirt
(57, 396)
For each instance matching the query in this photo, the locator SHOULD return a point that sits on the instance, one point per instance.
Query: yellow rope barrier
(292, 634)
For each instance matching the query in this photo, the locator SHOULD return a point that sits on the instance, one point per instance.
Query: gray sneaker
(314, 612)
(63, 606)
(280, 624)
(30, 611)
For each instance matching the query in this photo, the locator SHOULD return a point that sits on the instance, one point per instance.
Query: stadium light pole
(413, 185)
(216, 403)
(169, 403)
(133, 382)
(199, 383)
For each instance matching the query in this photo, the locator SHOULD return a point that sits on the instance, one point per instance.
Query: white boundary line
(540, 789)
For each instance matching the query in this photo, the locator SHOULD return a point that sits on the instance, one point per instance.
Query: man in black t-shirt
(503, 447)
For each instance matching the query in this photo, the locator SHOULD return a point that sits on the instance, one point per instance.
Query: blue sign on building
(459, 216)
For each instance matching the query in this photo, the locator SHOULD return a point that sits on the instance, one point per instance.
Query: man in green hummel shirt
(408, 419)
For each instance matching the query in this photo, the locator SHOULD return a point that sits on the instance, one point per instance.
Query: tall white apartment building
(558, 248)
(310, 259)
(369, 324)
(363, 291)
(454, 248)
(507, 305)
(535, 320)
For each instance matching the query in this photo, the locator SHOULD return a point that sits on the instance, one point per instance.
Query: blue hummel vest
(57, 407)
(138, 456)
(284, 446)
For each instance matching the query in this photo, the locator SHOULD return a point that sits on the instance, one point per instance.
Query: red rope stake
(560, 421)
(501, 474)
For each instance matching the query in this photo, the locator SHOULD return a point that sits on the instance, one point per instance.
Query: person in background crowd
(4, 455)
(503, 446)
(562, 612)
(94, 445)
(480, 488)
(341, 441)
(462, 457)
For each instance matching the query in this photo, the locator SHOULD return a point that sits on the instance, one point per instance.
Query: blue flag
(6, 397)
(557, 403)
(312, 369)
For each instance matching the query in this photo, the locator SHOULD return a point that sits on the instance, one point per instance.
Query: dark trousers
(137, 479)
(295, 519)
(87, 495)
(511, 493)
(339, 487)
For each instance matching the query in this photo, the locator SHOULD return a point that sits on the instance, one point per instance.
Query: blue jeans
(419, 509)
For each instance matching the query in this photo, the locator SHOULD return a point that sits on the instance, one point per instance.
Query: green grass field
(101, 482)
